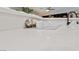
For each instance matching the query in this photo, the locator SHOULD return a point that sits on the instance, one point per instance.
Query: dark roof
(56, 15)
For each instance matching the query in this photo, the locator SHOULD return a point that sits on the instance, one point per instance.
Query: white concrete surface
(35, 39)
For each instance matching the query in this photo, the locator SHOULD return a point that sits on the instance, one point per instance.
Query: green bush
(27, 10)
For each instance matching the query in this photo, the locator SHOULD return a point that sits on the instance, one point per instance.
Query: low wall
(53, 23)
(10, 21)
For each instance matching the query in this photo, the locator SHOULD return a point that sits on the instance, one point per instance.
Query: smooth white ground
(63, 38)
(13, 36)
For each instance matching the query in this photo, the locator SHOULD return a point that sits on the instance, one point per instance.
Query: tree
(27, 10)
